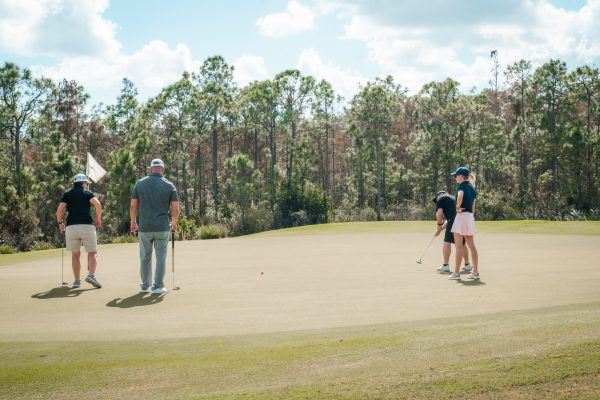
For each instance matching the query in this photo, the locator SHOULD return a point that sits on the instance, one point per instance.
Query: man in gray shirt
(154, 201)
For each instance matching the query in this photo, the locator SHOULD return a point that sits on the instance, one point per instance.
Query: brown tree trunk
(215, 182)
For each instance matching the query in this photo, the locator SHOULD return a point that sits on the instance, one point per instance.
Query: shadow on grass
(58, 292)
(473, 283)
(137, 300)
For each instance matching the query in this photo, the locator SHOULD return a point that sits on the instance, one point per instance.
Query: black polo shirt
(469, 195)
(447, 203)
(78, 206)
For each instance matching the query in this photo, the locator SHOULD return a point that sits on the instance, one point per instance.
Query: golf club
(62, 260)
(173, 287)
(427, 248)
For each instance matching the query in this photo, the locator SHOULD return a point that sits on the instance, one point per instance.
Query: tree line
(289, 151)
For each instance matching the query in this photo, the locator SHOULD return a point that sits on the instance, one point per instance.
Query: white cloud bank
(151, 68)
(74, 32)
(248, 68)
(57, 28)
(344, 82)
(296, 18)
(418, 43)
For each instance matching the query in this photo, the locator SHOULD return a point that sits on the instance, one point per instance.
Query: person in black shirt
(445, 205)
(464, 223)
(80, 227)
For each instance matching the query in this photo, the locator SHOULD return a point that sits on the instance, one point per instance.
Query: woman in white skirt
(464, 223)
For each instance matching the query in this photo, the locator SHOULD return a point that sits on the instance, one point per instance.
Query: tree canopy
(289, 151)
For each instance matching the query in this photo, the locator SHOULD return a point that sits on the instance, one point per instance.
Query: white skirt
(464, 224)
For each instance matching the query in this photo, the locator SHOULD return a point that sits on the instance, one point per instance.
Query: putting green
(308, 279)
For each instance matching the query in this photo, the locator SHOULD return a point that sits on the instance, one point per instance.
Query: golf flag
(93, 170)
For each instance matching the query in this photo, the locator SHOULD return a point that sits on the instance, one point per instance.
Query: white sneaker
(467, 268)
(147, 290)
(454, 277)
(474, 276)
(91, 279)
(443, 268)
(159, 290)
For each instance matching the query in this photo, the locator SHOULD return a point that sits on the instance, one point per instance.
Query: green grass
(7, 259)
(522, 227)
(544, 353)
(387, 227)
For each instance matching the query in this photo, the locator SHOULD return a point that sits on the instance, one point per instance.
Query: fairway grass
(542, 353)
(350, 316)
(517, 227)
(7, 259)
(391, 227)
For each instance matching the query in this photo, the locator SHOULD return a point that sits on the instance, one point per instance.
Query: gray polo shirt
(154, 194)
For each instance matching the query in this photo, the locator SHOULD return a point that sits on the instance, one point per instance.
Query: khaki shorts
(76, 234)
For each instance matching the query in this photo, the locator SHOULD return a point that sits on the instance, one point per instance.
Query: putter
(173, 287)
(427, 248)
(62, 262)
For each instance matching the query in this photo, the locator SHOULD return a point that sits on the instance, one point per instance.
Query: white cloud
(248, 68)
(571, 35)
(56, 28)
(441, 39)
(344, 82)
(75, 32)
(151, 68)
(297, 18)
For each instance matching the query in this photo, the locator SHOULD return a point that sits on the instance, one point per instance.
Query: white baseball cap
(157, 162)
(81, 178)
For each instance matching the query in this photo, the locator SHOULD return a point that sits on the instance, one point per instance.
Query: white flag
(93, 170)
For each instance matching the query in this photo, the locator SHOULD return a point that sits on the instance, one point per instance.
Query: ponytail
(472, 178)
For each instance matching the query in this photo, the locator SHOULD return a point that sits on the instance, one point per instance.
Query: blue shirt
(469, 195)
(154, 194)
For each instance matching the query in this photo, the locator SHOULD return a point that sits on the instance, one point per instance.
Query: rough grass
(521, 227)
(7, 259)
(544, 353)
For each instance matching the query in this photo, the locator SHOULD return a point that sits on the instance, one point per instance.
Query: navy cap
(461, 171)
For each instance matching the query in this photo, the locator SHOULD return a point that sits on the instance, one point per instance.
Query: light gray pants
(160, 240)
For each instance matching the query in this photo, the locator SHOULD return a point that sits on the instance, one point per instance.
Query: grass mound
(545, 353)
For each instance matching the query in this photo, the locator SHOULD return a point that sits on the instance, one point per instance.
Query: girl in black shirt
(464, 223)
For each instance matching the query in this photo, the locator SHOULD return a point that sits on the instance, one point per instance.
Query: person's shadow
(137, 300)
(58, 292)
(472, 283)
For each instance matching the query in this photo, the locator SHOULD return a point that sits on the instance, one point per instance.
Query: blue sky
(349, 42)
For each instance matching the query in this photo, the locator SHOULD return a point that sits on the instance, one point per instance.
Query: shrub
(494, 206)
(253, 220)
(42, 246)
(594, 215)
(19, 224)
(187, 228)
(213, 232)
(7, 250)
(351, 214)
(310, 206)
(407, 211)
(124, 239)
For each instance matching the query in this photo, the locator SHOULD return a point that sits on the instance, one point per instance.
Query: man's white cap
(81, 178)
(157, 162)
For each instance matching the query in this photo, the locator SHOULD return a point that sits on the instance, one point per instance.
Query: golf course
(327, 311)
